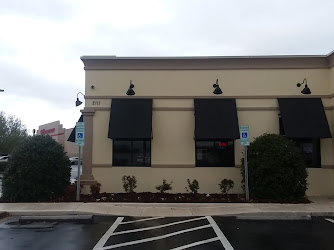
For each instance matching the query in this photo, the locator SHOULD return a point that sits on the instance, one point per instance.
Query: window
(309, 147)
(311, 151)
(215, 153)
(131, 152)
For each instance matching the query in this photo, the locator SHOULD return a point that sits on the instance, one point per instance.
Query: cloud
(40, 9)
(41, 41)
(17, 80)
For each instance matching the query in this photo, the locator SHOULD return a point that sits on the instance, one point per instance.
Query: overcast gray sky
(41, 41)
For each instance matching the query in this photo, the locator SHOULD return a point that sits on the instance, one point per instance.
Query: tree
(276, 169)
(38, 170)
(12, 133)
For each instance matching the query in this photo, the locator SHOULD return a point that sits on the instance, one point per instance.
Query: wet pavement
(162, 233)
(52, 236)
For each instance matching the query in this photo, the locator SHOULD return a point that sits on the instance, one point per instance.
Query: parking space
(218, 233)
(314, 234)
(164, 233)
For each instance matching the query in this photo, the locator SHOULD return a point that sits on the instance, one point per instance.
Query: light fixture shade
(306, 90)
(78, 102)
(130, 92)
(217, 91)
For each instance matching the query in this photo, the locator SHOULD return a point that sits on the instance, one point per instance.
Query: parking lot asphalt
(51, 235)
(203, 232)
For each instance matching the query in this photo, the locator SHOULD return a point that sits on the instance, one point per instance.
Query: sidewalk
(318, 207)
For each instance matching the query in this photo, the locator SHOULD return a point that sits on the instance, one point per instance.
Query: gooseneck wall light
(306, 90)
(130, 90)
(217, 90)
(78, 102)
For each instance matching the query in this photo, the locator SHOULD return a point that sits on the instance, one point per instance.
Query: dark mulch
(148, 197)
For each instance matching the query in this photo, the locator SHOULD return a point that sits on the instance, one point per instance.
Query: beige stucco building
(167, 130)
(59, 134)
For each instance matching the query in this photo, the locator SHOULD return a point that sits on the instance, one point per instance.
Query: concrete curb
(58, 218)
(274, 217)
(89, 216)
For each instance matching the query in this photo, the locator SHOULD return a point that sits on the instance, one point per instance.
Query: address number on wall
(96, 103)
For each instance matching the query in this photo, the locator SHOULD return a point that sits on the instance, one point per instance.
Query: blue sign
(244, 135)
(80, 134)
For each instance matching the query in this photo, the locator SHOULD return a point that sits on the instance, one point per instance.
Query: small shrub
(226, 185)
(193, 186)
(129, 183)
(95, 188)
(164, 187)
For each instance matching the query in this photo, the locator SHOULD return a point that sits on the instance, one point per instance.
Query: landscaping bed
(148, 197)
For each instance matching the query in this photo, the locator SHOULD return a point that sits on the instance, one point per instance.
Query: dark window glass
(281, 127)
(311, 151)
(131, 153)
(215, 153)
(309, 147)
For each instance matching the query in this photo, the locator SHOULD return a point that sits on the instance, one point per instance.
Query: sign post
(244, 141)
(79, 141)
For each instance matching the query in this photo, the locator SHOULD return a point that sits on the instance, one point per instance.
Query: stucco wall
(321, 181)
(173, 146)
(199, 82)
(148, 178)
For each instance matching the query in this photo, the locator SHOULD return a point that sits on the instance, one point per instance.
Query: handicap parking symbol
(244, 134)
(80, 135)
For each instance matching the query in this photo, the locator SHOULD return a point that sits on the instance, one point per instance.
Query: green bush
(95, 189)
(129, 183)
(276, 169)
(164, 187)
(226, 185)
(193, 186)
(38, 170)
(3, 166)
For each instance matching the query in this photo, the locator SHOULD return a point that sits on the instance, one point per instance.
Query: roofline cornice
(208, 63)
(331, 59)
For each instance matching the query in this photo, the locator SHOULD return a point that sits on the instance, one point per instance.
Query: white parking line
(220, 234)
(330, 220)
(155, 238)
(155, 227)
(196, 243)
(134, 221)
(106, 236)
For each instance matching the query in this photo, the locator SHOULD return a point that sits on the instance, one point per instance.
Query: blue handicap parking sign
(244, 135)
(79, 135)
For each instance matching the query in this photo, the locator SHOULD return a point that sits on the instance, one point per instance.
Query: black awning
(130, 119)
(304, 118)
(216, 119)
(71, 138)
